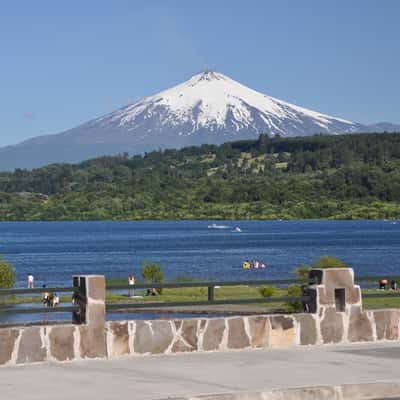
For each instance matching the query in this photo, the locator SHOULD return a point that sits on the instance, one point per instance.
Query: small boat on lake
(216, 226)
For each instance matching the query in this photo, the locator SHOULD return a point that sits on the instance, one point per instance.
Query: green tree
(302, 271)
(151, 272)
(328, 262)
(336, 177)
(7, 275)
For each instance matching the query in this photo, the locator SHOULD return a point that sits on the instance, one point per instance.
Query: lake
(54, 251)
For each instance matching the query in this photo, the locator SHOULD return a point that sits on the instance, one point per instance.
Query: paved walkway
(160, 377)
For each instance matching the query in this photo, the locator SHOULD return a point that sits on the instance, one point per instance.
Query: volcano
(208, 108)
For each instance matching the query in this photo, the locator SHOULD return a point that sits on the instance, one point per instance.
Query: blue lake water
(54, 251)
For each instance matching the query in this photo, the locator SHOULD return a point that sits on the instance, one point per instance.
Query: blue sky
(63, 63)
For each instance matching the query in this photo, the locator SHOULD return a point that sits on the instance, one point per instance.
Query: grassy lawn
(389, 301)
(200, 294)
(14, 300)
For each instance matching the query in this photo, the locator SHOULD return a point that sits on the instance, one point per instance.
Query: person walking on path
(56, 299)
(30, 281)
(46, 297)
(131, 282)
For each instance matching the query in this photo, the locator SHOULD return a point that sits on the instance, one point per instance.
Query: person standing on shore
(56, 299)
(30, 281)
(131, 282)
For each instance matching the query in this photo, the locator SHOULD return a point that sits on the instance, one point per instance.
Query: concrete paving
(162, 377)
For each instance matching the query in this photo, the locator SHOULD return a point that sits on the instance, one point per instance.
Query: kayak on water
(255, 264)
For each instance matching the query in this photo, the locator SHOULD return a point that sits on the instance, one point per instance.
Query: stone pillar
(333, 288)
(91, 314)
(338, 304)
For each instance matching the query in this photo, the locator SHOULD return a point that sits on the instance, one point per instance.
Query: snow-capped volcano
(213, 103)
(208, 108)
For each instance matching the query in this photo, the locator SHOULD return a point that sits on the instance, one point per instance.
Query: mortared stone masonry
(335, 315)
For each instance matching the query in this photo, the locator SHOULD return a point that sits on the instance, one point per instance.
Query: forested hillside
(348, 176)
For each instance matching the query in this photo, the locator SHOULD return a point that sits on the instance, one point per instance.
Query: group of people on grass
(131, 290)
(384, 284)
(49, 299)
(254, 264)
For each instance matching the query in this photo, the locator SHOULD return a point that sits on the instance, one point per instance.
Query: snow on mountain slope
(212, 101)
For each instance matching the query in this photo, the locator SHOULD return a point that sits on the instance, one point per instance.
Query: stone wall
(337, 317)
(74, 342)
(332, 322)
(250, 332)
(84, 339)
(41, 343)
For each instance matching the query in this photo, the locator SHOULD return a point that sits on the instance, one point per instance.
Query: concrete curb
(363, 391)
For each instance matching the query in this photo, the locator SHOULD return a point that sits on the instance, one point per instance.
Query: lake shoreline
(55, 251)
(206, 219)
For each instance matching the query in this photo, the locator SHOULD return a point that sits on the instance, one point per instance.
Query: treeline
(346, 176)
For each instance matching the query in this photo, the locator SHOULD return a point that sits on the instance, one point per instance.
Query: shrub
(294, 291)
(267, 291)
(323, 262)
(302, 271)
(328, 262)
(151, 272)
(7, 275)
